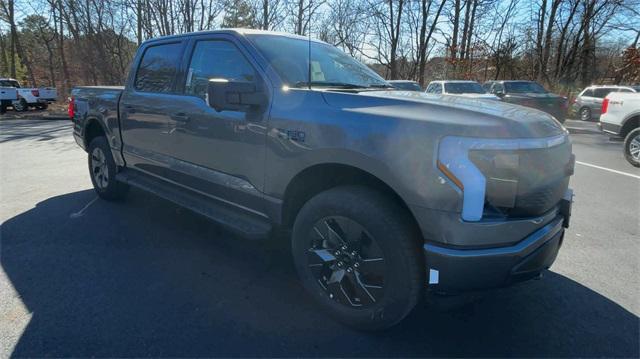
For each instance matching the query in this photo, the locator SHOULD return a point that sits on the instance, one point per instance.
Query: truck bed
(99, 103)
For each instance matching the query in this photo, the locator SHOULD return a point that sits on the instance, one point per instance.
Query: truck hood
(452, 115)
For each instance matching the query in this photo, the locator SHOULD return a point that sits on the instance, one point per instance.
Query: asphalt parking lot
(85, 277)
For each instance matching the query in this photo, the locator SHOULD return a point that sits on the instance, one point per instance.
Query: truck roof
(491, 81)
(234, 31)
(456, 81)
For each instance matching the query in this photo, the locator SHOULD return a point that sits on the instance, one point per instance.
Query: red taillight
(605, 105)
(72, 108)
(35, 93)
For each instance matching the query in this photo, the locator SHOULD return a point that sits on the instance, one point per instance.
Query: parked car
(588, 103)
(405, 85)
(30, 97)
(530, 94)
(621, 117)
(386, 193)
(460, 88)
(7, 96)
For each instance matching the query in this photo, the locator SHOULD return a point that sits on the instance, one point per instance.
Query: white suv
(588, 103)
(621, 117)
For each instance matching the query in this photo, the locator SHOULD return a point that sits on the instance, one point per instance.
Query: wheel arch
(92, 129)
(629, 124)
(323, 176)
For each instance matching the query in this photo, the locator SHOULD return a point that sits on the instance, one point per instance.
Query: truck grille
(535, 185)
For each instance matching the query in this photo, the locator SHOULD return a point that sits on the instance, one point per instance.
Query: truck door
(146, 105)
(219, 153)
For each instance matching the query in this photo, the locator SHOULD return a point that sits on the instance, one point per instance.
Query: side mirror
(499, 93)
(225, 95)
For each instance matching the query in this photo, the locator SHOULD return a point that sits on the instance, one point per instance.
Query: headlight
(465, 161)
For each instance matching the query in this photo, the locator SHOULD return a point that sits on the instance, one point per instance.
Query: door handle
(181, 117)
(130, 109)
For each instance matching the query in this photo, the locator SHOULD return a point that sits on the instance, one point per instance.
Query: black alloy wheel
(359, 256)
(346, 262)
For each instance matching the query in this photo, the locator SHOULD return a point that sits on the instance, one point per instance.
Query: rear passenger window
(601, 92)
(216, 59)
(158, 68)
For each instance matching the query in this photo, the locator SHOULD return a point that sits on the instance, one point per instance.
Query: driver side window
(215, 59)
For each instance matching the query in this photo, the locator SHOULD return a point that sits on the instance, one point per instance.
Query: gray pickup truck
(383, 193)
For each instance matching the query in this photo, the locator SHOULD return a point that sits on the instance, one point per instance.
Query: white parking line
(80, 213)
(608, 169)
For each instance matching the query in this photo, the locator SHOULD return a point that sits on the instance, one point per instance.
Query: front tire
(358, 256)
(20, 105)
(102, 169)
(632, 147)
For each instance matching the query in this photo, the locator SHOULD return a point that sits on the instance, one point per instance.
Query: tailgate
(48, 93)
(8, 93)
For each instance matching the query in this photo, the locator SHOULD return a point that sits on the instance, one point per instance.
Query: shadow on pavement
(38, 130)
(147, 278)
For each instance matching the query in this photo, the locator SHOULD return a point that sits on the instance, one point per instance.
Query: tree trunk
(265, 14)
(454, 40)
(139, 21)
(546, 51)
(465, 29)
(427, 38)
(539, 35)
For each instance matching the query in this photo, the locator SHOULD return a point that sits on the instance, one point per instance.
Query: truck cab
(383, 193)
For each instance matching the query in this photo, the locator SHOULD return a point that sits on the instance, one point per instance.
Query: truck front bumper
(452, 270)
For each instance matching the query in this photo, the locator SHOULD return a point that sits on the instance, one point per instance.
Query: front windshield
(523, 87)
(463, 87)
(330, 67)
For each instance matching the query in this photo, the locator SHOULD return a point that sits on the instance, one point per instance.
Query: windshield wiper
(344, 85)
(381, 86)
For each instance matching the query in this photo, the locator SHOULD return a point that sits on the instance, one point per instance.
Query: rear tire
(376, 275)
(632, 147)
(585, 114)
(103, 169)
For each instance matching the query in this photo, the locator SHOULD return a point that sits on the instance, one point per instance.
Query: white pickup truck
(621, 117)
(34, 97)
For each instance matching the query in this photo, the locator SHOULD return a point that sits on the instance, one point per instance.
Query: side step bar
(244, 223)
